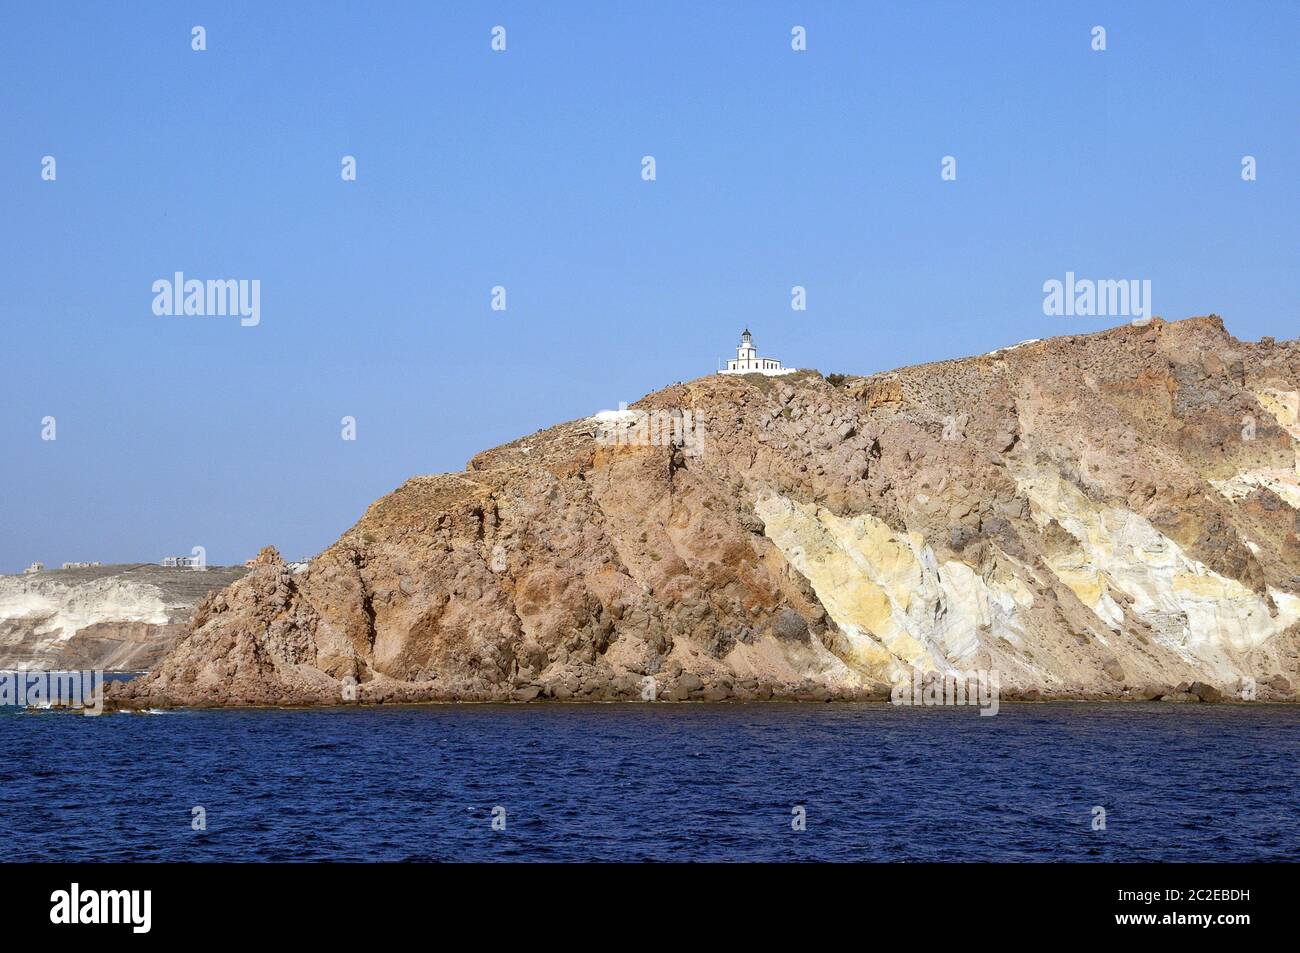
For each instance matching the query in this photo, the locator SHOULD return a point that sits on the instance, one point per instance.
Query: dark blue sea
(656, 782)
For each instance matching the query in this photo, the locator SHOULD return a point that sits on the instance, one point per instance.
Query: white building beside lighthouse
(747, 360)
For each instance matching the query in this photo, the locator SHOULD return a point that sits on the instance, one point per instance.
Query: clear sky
(523, 169)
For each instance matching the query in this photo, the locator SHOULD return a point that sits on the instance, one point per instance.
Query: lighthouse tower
(746, 353)
(748, 362)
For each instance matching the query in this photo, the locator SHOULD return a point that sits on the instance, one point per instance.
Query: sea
(1109, 783)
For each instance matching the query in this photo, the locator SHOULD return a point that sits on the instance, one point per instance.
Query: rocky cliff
(121, 618)
(1109, 515)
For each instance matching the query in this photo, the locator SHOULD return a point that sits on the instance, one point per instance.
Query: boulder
(1206, 692)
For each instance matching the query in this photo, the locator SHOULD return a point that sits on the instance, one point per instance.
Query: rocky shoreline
(687, 689)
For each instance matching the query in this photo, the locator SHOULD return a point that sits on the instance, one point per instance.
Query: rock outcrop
(1114, 515)
(121, 618)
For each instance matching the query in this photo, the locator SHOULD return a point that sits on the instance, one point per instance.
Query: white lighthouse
(748, 362)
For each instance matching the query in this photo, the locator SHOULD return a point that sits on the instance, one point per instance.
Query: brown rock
(690, 683)
(1206, 692)
(575, 563)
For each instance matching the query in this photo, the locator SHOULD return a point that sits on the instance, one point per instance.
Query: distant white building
(80, 565)
(35, 567)
(747, 360)
(182, 562)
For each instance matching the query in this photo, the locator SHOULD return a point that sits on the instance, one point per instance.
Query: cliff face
(111, 618)
(1106, 515)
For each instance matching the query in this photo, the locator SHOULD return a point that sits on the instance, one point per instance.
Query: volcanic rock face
(1111, 515)
(111, 618)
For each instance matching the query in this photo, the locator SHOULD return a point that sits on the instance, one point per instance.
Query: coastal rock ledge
(1114, 515)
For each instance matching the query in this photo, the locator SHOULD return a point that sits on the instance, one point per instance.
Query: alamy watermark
(83, 691)
(216, 296)
(653, 428)
(197, 560)
(128, 907)
(974, 687)
(1106, 297)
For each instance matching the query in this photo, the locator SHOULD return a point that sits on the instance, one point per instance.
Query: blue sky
(523, 169)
